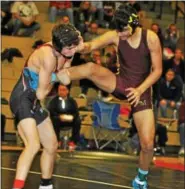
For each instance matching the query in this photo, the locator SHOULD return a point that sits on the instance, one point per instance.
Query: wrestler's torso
(46, 52)
(134, 59)
(41, 57)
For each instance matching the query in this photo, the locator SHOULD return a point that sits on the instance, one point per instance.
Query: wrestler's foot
(46, 187)
(136, 184)
(64, 77)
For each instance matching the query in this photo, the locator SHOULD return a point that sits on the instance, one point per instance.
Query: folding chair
(106, 118)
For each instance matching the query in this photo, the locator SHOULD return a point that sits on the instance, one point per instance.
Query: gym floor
(89, 170)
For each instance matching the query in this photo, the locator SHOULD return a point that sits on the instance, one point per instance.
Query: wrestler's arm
(107, 38)
(45, 75)
(156, 58)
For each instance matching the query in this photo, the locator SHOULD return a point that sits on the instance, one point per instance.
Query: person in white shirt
(24, 14)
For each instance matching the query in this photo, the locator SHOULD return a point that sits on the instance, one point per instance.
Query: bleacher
(10, 72)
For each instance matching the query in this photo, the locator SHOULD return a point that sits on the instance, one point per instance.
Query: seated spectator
(170, 92)
(110, 59)
(109, 8)
(84, 16)
(76, 4)
(161, 8)
(137, 7)
(161, 138)
(132, 145)
(64, 113)
(6, 17)
(24, 17)
(155, 28)
(177, 64)
(98, 9)
(64, 20)
(92, 33)
(171, 37)
(60, 8)
(181, 124)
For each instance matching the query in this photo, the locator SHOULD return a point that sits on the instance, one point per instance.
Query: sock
(45, 182)
(142, 175)
(18, 183)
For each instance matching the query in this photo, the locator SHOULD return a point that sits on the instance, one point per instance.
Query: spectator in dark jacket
(177, 64)
(64, 113)
(170, 92)
(171, 37)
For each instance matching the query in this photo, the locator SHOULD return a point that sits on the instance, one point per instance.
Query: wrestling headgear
(126, 16)
(64, 35)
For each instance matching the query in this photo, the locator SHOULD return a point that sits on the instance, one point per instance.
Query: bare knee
(52, 147)
(33, 147)
(147, 145)
(92, 68)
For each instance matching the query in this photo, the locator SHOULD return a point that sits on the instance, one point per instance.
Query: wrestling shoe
(136, 184)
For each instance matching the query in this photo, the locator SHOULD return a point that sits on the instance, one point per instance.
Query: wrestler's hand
(63, 77)
(133, 96)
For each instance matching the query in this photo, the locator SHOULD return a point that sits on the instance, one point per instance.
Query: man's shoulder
(71, 99)
(162, 80)
(54, 101)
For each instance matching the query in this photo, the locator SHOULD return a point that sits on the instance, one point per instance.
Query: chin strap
(66, 57)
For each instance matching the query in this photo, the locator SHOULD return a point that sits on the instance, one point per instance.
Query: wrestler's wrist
(140, 90)
(40, 95)
(64, 76)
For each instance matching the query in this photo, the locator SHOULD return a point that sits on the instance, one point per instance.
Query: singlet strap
(144, 37)
(43, 45)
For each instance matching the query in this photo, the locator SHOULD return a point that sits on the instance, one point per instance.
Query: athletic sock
(18, 184)
(142, 175)
(45, 182)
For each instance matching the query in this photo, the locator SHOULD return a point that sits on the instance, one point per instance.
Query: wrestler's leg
(102, 77)
(144, 121)
(49, 142)
(29, 134)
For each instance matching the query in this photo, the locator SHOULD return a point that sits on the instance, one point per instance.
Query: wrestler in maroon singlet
(135, 66)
